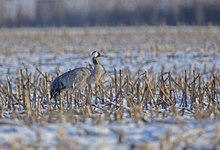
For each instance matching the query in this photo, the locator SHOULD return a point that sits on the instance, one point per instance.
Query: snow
(89, 136)
(123, 51)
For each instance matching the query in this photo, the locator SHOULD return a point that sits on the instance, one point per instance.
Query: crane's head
(96, 54)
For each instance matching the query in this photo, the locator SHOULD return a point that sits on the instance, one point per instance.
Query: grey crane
(77, 78)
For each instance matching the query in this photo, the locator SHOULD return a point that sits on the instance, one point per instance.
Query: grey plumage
(78, 78)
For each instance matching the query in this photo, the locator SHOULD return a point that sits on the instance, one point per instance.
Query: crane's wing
(73, 79)
(80, 77)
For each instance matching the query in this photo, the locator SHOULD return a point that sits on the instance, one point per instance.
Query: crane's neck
(96, 73)
(95, 61)
(97, 68)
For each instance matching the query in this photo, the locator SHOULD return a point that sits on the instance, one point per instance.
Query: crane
(77, 78)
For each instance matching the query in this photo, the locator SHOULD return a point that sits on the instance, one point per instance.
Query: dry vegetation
(142, 96)
(120, 96)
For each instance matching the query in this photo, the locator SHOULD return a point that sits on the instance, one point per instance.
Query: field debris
(160, 89)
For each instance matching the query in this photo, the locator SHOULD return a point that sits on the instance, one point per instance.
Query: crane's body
(78, 78)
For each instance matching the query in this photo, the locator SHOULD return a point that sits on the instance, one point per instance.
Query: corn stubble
(141, 96)
(117, 96)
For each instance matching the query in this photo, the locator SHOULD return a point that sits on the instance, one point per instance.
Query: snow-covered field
(182, 133)
(151, 49)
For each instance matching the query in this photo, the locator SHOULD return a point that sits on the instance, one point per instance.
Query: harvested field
(160, 89)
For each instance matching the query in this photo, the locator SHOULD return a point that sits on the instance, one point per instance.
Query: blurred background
(15, 13)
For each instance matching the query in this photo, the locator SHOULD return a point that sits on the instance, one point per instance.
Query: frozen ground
(178, 133)
(145, 48)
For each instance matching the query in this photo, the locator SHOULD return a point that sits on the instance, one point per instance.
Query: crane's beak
(103, 56)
